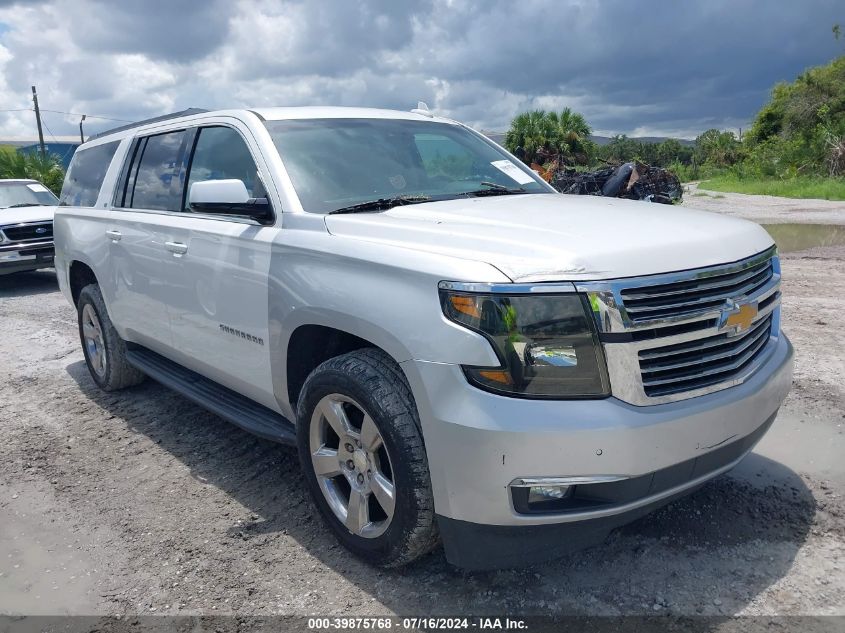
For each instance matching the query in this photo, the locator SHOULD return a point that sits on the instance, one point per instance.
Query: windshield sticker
(37, 187)
(512, 171)
(398, 181)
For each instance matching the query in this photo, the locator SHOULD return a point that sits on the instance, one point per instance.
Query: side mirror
(228, 197)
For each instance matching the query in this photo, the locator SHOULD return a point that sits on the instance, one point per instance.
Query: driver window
(219, 154)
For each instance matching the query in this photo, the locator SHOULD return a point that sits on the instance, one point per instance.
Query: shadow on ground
(710, 552)
(29, 283)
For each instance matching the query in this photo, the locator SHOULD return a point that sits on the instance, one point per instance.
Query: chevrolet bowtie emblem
(741, 317)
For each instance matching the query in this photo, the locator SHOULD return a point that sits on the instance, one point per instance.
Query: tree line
(799, 132)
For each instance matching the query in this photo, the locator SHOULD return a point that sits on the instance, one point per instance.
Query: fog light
(538, 494)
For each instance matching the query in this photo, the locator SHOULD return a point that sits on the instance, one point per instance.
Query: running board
(237, 409)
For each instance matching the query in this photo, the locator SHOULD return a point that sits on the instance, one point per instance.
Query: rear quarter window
(86, 174)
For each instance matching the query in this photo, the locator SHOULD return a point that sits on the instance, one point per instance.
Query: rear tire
(104, 350)
(361, 401)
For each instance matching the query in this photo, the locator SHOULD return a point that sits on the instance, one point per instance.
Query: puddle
(799, 237)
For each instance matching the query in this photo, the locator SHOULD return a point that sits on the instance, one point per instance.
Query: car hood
(26, 214)
(556, 237)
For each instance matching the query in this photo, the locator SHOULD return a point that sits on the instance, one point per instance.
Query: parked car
(461, 354)
(26, 225)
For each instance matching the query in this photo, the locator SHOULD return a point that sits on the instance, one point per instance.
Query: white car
(26, 225)
(459, 353)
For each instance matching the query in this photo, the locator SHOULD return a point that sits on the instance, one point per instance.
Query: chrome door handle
(177, 248)
(113, 235)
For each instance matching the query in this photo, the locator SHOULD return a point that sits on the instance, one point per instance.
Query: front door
(217, 269)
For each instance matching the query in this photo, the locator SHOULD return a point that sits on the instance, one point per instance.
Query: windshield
(337, 163)
(21, 194)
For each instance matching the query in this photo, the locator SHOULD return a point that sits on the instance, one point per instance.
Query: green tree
(47, 170)
(571, 134)
(717, 148)
(801, 130)
(529, 133)
(541, 136)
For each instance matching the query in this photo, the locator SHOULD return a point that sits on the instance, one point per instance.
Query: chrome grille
(702, 362)
(679, 335)
(709, 291)
(35, 231)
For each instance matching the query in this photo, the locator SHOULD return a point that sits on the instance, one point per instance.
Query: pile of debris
(635, 181)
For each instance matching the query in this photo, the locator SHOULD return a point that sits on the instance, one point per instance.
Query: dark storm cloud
(657, 67)
(180, 30)
(705, 59)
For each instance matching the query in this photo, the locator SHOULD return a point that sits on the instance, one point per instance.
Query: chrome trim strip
(19, 224)
(700, 288)
(24, 246)
(511, 289)
(527, 482)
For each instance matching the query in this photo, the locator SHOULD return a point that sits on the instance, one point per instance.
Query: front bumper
(20, 257)
(478, 443)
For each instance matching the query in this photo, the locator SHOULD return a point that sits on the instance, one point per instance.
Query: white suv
(460, 353)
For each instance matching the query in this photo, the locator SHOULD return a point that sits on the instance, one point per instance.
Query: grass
(820, 188)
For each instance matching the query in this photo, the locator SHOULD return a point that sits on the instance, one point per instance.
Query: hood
(556, 237)
(26, 214)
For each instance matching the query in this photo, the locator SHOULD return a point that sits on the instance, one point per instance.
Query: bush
(47, 170)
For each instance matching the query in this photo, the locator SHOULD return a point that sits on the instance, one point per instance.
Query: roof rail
(163, 117)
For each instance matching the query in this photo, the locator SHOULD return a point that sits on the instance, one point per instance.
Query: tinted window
(156, 183)
(220, 153)
(85, 176)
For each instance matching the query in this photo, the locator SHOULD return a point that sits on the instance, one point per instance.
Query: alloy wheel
(92, 335)
(352, 465)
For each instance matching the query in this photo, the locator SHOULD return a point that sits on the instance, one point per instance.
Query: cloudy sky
(662, 67)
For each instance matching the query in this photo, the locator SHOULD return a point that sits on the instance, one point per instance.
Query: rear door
(150, 188)
(217, 270)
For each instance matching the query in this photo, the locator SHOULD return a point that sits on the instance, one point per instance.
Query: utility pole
(81, 137)
(38, 121)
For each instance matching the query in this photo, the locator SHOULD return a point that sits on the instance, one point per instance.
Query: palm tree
(45, 169)
(572, 132)
(529, 133)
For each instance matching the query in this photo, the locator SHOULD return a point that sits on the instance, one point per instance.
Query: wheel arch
(314, 337)
(80, 275)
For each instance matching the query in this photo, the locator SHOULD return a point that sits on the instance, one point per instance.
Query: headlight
(547, 344)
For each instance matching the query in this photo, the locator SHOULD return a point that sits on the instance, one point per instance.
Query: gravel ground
(139, 502)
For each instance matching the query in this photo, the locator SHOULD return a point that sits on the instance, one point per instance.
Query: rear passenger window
(220, 153)
(155, 176)
(86, 174)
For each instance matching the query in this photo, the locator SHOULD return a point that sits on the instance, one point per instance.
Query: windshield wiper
(494, 190)
(25, 204)
(382, 204)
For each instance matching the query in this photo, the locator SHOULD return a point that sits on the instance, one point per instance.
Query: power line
(90, 116)
(44, 121)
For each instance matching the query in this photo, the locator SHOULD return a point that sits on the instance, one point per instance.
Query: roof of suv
(336, 112)
(275, 114)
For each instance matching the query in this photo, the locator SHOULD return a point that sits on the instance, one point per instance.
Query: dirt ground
(140, 502)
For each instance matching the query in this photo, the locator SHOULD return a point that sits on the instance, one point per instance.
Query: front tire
(363, 457)
(104, 350)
